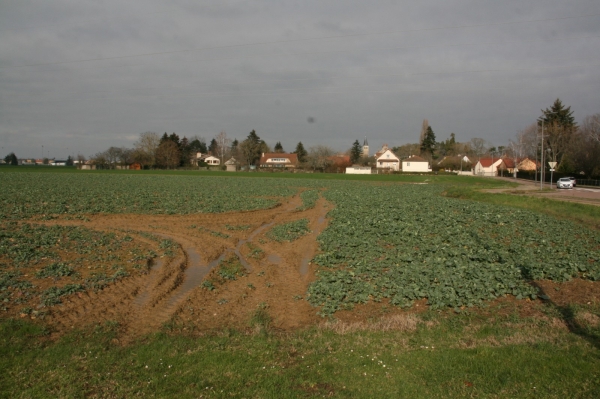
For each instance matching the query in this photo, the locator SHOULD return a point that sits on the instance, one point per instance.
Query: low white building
(488, 167)
(207, 158)
(416, 164)
(358, 170)
(386, 159)
(278, 160)
(231, 165)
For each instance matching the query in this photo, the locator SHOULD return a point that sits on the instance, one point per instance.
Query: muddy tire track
(171, 289)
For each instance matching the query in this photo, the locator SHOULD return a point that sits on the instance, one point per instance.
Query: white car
(564, 182)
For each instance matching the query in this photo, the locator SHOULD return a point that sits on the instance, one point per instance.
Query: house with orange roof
(278, 160)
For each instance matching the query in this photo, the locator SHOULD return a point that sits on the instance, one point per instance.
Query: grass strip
(435, 356)
(587, 215)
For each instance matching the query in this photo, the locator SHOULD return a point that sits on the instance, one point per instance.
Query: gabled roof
(340, 160)
(392, 158)
(383, 150)
(415, 158)
(509, 163)
(293, 158)
(487, 162)
(454, 159)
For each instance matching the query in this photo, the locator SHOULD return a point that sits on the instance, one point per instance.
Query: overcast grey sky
(78, 76)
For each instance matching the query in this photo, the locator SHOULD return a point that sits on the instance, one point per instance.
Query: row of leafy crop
(39, 264)
(290, 231)
(406, 242)
(47, 195)
(309, 199)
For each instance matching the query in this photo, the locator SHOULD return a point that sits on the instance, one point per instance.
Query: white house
(358, 170)
(278, 160)
(416, 164)
(207, 158)
(386, 159)
(488, 166)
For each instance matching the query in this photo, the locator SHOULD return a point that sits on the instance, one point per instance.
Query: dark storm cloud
(105, 71)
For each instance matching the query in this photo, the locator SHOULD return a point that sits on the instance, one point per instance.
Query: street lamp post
(549, 150)
(542, 152)
(542, 160)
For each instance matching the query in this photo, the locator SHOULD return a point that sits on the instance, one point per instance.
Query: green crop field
(477, 263)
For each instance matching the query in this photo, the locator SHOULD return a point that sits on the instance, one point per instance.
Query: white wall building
(358, 170)
(416, 164)
(386, 159)
(487, 167)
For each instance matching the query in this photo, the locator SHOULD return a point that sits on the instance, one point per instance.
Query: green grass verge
(402, 178)
(440, 356)
(588, 215)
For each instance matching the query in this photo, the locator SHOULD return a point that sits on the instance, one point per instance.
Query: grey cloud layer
(487, 81)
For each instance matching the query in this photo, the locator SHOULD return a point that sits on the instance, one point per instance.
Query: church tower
(365, 149)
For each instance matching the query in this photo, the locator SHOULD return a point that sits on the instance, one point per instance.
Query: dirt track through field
(276, 279)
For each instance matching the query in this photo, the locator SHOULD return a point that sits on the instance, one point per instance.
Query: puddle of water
(193, 275)
(143, 297)
(274, 258)
(304, 265)
(250, 238)
(307, 258)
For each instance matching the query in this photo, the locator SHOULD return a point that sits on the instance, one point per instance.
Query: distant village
(170, 152)
(554, 143)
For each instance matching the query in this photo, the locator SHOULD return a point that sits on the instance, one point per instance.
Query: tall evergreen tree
(559, 129)
(198, 145)
(251, 148)
(558, 114)
(428, 143)
(278, 147)
(213, 147)
(355, 152)
(11, 159)
(301, 152)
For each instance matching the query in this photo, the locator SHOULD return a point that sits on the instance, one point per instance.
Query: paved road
(583, 195)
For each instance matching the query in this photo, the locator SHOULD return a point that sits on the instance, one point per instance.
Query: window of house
(408, 164)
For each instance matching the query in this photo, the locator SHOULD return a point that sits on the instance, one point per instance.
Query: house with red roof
(278, 160)
(488, 166)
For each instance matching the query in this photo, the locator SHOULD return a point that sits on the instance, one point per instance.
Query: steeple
(365, 149)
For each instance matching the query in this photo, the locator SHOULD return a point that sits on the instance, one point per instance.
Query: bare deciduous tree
(319, 157)
(145, 148)
(591, 127)
(223, 143)
(479, 146)
(406, 150)
(424, 128)
(167, 155)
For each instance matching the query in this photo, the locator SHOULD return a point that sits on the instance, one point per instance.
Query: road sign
(552, 170)
(552, 164)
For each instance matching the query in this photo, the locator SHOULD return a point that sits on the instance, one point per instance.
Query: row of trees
(171, 151)
(574, 148)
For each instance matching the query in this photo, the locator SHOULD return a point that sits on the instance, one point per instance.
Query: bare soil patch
(276, 274)
(275, 279)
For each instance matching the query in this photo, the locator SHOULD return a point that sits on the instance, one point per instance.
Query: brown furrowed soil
(188, 290)
(275, 278)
